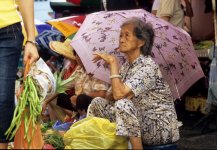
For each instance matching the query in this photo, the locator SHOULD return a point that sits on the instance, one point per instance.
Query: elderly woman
(142, 105)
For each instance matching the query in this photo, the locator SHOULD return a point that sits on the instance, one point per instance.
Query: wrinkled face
(128, 42)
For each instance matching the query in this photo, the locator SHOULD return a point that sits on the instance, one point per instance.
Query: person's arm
(154, 12)
(100, 93)
(26, 8)
(166, 18)
(119, 89)
(48, 100)
(166, 9)
(155, 7)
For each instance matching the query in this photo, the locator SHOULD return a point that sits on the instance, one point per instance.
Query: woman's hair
(143, 31)
(83, 101)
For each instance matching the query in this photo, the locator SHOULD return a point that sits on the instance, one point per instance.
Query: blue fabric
(62, 126)
(11, 41)
(42, 27)
(43, 39)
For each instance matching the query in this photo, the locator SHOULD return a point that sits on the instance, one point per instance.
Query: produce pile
(203, 45)
(52, 139)
(38, 82)
(30, 99)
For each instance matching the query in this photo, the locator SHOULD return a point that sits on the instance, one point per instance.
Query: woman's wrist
(113, 61)
(115, 76)
(32, 42)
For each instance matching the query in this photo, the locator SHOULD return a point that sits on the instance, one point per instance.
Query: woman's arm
(48, 100)
(26, 8)
(100, 93)
(166, 18)
(119, 89)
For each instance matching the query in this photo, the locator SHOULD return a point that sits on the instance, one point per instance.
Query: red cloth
(77, 2)
(69, 71)
(67, 74)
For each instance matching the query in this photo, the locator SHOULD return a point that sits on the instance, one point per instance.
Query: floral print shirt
(145, 80)
(150, 114)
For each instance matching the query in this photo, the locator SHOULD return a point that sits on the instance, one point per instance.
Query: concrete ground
(195, 135)
(198, 142)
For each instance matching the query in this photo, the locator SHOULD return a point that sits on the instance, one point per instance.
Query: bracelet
(115, 76)
(32, 42)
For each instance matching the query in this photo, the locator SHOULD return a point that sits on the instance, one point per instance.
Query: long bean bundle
(28, 109)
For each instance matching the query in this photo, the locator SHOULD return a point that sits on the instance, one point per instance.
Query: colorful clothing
(85, 84)
(8, 13)
(150, 114)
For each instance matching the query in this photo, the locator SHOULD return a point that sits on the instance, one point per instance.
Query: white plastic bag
(43, 77)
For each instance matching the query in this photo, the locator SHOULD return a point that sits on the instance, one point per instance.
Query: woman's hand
(106, 57)
(30, 53)
(73, 100)
(44, 106)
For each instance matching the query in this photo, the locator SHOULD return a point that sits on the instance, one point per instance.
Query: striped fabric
(44, 38)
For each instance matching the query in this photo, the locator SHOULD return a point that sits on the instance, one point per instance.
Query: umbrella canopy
(67, 25)
(173, 49)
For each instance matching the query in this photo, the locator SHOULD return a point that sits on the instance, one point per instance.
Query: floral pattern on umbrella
(172, 50)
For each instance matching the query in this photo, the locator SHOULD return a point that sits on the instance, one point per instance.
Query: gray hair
(143, 31)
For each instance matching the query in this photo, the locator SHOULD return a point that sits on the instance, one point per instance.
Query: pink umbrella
(173, 49)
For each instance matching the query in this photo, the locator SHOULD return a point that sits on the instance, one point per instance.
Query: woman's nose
(121, 39)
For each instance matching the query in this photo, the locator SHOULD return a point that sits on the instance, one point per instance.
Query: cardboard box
(192, 103)
(196, 103)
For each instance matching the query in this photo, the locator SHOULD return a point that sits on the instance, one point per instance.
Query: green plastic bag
(94, 133)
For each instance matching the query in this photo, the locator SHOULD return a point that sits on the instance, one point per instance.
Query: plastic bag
(62, 126)
(46, 82)
(94, 133)
(36, 142)
(44, 77)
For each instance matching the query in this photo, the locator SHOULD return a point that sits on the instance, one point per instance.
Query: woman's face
(128, 42)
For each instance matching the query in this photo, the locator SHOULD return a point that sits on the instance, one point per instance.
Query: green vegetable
(28, 109)
(46, 126)
(55, 140)
(203, 45)
(61, 84)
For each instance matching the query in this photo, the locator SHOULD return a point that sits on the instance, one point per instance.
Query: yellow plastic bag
(94, 133)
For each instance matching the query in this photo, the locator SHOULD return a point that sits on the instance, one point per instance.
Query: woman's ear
(141, 43)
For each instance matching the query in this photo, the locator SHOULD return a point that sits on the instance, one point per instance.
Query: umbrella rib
(170, 72)
(165, 39)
